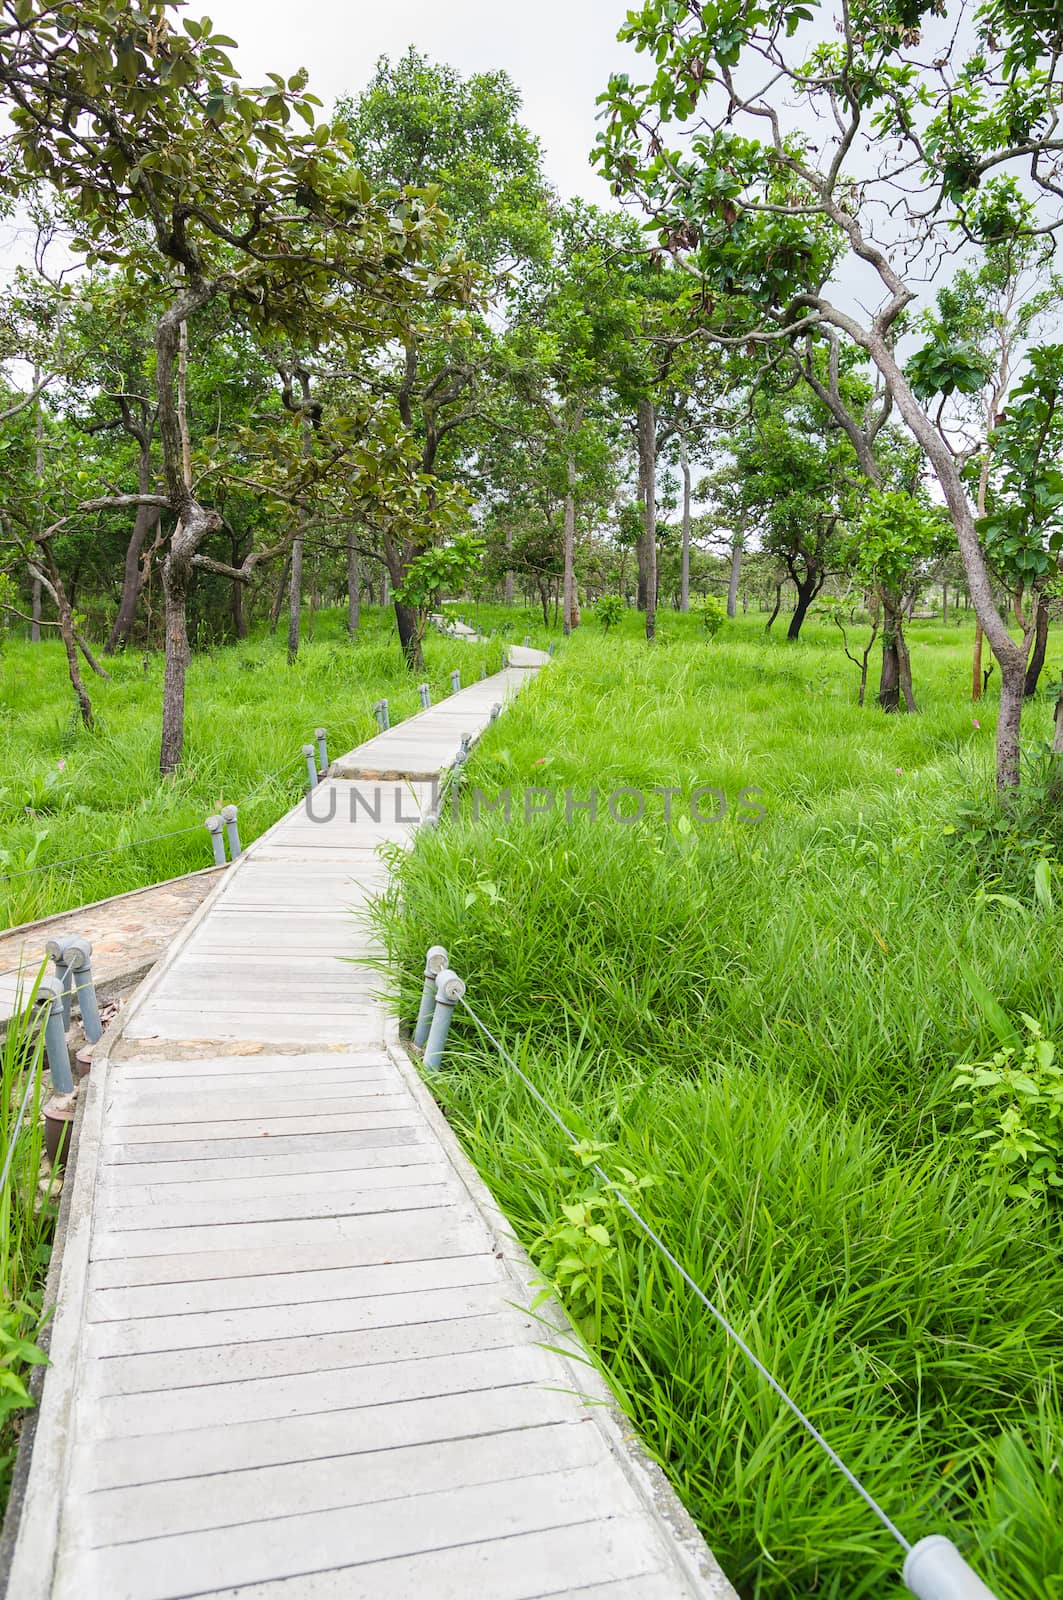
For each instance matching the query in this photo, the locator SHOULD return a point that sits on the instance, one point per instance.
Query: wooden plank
(301, 1394)
(275, 1322)
(368, 1241)
(169, 1568)
(616, 1558)
(204, 1452)
(193, 1505)
(275, 1186)
(223, 1363)
(341, 1201)
(404, 1125)
(381, 1095)
(126, 1175)
(388, 1111)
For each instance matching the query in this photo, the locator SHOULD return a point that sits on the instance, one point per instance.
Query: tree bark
(807, 590)
(176, 573)
(976, 664)
(409, 636)
(1011, 657)
(647, 437)
(295, 595)
(507, 591)
(282, 590)
(777, 606)
(354, 586)
(133, 575)
(684, 566)
(895, 683)
(35, 625)
(1040, 648)
(736, 572)
(567, 623)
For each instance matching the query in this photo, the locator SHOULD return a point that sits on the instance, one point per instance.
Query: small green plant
(608, 611)
(712, 614)
(1015, 1101)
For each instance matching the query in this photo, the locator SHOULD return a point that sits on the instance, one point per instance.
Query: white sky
(558, 52)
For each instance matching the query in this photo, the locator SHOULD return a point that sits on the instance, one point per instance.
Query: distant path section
(293, 1355)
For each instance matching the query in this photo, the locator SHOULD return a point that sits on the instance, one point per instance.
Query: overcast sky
(559, 53)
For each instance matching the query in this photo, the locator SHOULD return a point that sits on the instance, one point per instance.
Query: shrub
(712, 615)
(609, 610)
(1016, 1104)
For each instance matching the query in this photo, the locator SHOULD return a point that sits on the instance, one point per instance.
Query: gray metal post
(77, 954)
(322, 749)
(527, 640)
(436, 962)
(380, 711)
(425, 692)
(50, 996)
(466, 746)
(496, 712)
(311, 764)
(449, 990)
(550, 648)
(213, 826)
(455, 680)
(935, 1570)
(56, 948)
(228, 816)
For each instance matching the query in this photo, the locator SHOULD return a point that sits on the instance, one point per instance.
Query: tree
(895, 537)
(793, 147)
(184, 178)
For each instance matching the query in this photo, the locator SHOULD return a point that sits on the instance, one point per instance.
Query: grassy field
(756, 1025)
(66, 793)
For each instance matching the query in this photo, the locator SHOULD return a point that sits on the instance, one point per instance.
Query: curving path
(292, 1355)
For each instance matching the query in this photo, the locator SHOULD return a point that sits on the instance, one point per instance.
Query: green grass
(764, 1019)
(65, 792)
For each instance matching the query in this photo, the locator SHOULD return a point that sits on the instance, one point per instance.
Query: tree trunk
(295, 595)
(1012, 657)
(567, 623)
(895, 683)
(133, 574)
(282, 590)
(1040, 647)
(175, 578)
(354, 586)
(647, 435)
(409, 636)
(684, 568)
(976, 664)
(239, 618)
(777, 607)
(35, 625)
(736, 572)
(944, 603)
(507, 591)
(807, 590)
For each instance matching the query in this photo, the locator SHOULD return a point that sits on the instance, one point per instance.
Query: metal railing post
(425, 692)
(50, 996)
(436, 962)
(213, 827)
(228, 816)
(449, 990)
(77, 955)
(455, 680)
(380, 711)
(496, 712)
(321, 735)
(527, 641)
(310, 755)
(56, 949)
(935, 1570)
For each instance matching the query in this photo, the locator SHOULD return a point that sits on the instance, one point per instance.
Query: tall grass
(28, 1203)
(763, 1021)
(68, 793)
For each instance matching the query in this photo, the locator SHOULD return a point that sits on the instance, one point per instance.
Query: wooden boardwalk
(292, 1355)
